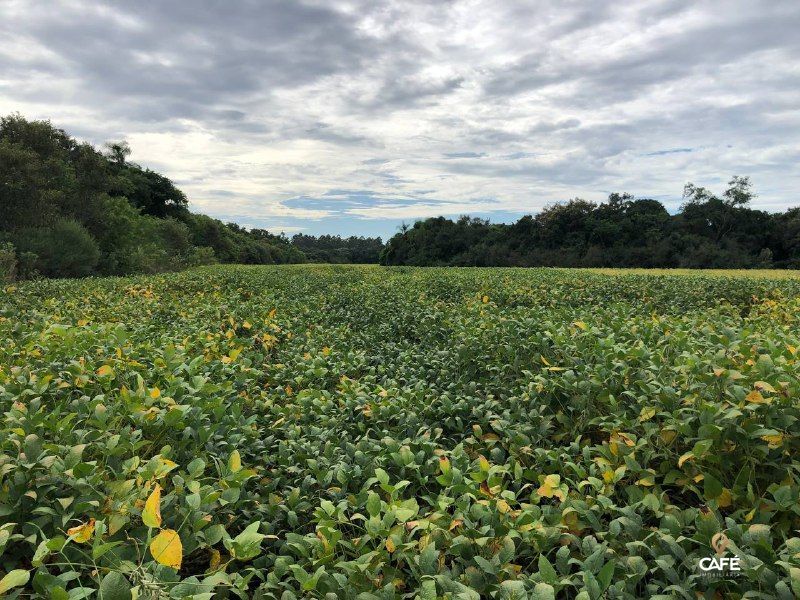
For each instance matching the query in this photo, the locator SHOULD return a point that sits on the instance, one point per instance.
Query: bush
(201, 256)
(150, 258)
(8, 262)
(26, 265)
(65, 250)
(174, 235)
(119, 230)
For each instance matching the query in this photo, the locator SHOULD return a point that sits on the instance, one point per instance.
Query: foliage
(65, 249)
(709, 232)
(335, 249)
(378, 433)
(55, 191)
(8, 262)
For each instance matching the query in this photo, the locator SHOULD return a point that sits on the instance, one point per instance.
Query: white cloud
(429, 108)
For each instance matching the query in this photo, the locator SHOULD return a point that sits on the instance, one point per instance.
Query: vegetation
(710, 232)
(338, 250)
(366, 433)
(71, 211)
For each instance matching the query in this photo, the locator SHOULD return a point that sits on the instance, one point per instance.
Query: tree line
(70, 210)
(709, 231)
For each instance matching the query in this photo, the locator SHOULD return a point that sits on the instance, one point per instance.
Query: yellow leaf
(608, 476)
(83, 322)
(82, 533)
(725, 498)
(12, 579)
(215, 560)
(235, 461)
(390, 547)
(105, 371)
(232, 356)
(289, 391)
(151, 515)
(551, 488)
(684, 458)
(246, 325)
(444, 464)
(764, 386)
(646, 414)
(167, 549)
(774, 440)
(755, 397)
(326, 351)
(483, 463)
(485, 299)
(667, 435)
(718, 372)
(624, 437)
(155, 393)
(792, 350)
(503, 506)
(272, 312)
(580, 325)
(165, 467)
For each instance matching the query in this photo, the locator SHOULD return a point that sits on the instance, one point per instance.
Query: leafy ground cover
(378, 433)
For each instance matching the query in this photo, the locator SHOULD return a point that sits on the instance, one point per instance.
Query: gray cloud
(464, 154)
(484, 106)
(670, 151)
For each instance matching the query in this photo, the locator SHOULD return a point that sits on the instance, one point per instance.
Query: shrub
(65, 250)
(173, 235)
(26, 265)
(149, 258)
(201, 256)
(8, 262)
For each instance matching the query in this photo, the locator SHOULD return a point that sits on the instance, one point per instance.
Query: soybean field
(375, 433)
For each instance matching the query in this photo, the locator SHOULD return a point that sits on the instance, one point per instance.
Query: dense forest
(710, 231)
(69, 210)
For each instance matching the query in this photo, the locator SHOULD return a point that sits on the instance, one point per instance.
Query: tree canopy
(710, 231)
(68, 210)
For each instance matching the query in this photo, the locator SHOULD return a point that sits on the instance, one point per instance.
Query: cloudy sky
(353, 116)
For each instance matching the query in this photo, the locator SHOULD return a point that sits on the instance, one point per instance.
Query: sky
(352, 117)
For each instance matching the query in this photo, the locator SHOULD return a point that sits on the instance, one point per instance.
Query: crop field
(379, 433)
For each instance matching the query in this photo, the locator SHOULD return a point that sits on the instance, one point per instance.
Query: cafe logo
(720, 565)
